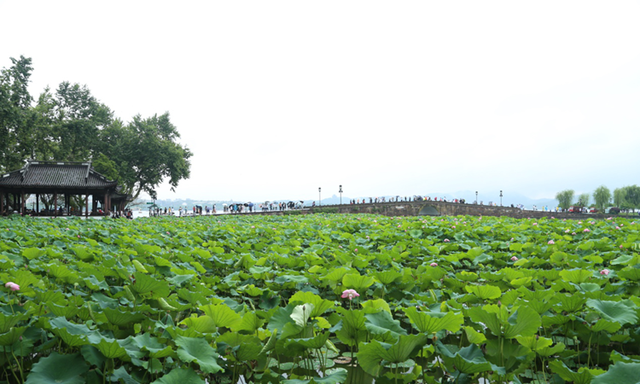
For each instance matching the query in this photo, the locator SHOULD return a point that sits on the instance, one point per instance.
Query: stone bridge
(441, 208)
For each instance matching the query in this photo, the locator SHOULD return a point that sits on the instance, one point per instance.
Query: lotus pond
(319, 299)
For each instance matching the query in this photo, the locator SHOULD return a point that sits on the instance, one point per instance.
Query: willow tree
(565, 198)
(602, 197)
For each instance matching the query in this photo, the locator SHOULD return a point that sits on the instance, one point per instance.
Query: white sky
(278, 98)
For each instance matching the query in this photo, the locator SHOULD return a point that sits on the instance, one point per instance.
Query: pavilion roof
(56, 175)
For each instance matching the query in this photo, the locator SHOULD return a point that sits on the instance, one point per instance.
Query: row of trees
(69, 124)
(624, 198)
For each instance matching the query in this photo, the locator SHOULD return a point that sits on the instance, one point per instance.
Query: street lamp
(476, 197)
(501, 197)
(320, 196)
(340, 190)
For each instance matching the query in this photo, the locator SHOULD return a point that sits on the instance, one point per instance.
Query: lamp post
(340, 190)
(320, 196)
(476, 197)
(501, 197)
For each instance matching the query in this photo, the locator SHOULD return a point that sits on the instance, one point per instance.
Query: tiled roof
(51, 174)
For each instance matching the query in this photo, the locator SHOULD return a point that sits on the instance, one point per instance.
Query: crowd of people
(396, 199)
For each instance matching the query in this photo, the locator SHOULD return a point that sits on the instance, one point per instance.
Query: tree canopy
(565, 198)
(602, 197)
(70, 124)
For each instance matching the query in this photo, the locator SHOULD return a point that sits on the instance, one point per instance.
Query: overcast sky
(278, 98)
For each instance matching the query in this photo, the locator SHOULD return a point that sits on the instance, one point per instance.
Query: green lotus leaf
(121, 374)
(629, 273)
(387, 277)
(524, 322)
(58, 369)
(151, 344)
(12, 336)
(147, 284)
(280, 317)
(8, 320)
(571, 303)
(121, 316)
(605, 325)
(320, 305)
(250, 323)
(33, 253)
(377, 305)
(432, 322)
(300, 345)
(202, 324)
(93, 356)
(180, 376)
(110, 348)
(301, 313)
(384, 325)
(475, 337)
(467, 360)
(244, 347)
(487, 318)
(484, 292)
(334, 376)
(222, 315)
(576, 276)
(583, 376)
(199, 351)
(372, 354)
(616, 311)
(623, 259)
(357, 282)
(549, 351)
(352, 328)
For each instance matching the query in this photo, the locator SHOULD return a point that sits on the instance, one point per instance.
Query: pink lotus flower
(621, 246)
(535, 223)
(605, 272)
(350, 294)
(434, 264)
(617, 227)
(446, 240)
(573, 233)
(586, 230)
(355, 250)
(513, 258)
(551, 242)
(12, 286)
(567, 231)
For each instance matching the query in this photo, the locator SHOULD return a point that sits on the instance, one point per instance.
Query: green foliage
(70, 124)
(565, 198)
(168, 300)
(602, 197)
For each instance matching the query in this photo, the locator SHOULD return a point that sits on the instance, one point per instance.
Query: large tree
(602, 197)
(619, 197)
(70, 124)
(78, 118)
(15, 112)
(565, 198)
(145, 152)
(583, 200)
(632, 196)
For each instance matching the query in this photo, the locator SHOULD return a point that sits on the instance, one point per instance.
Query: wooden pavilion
(54, 178)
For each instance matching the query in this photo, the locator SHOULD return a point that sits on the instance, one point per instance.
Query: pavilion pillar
(22, 207)
(1, 203)
(38, 203)
(86, 205)
(55, 204)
